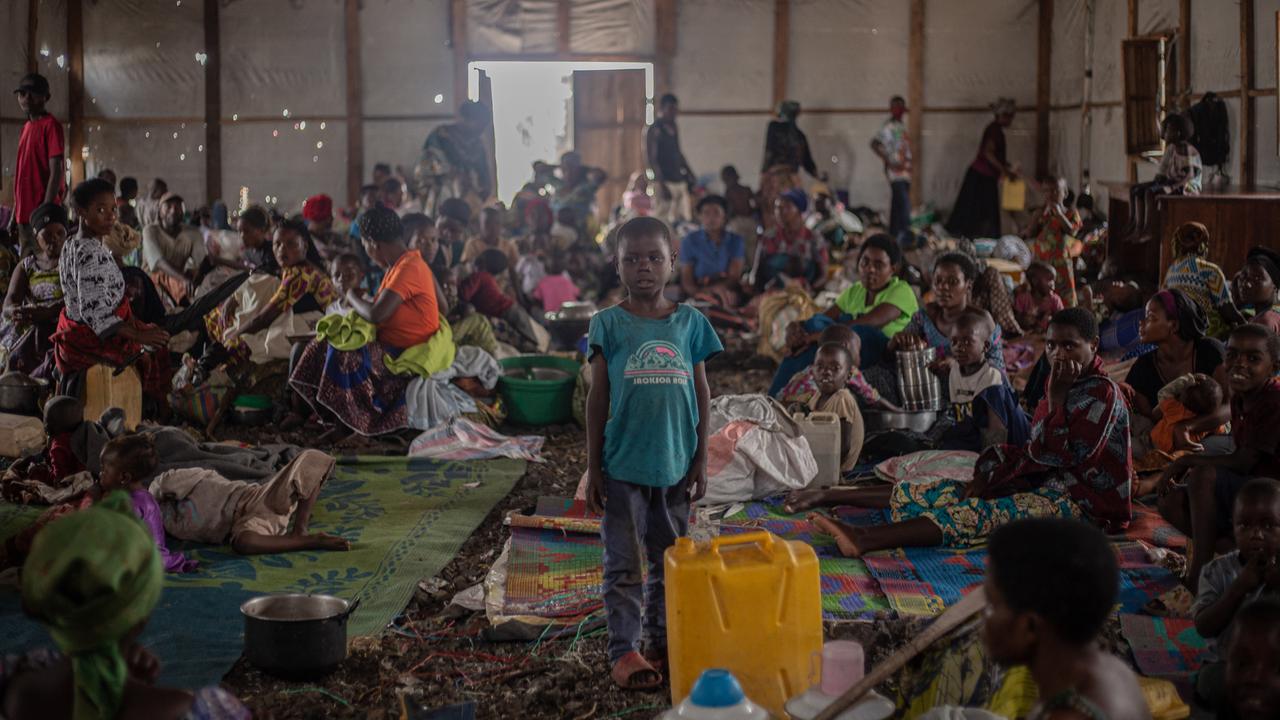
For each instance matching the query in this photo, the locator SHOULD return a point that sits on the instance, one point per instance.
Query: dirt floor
(437, 655)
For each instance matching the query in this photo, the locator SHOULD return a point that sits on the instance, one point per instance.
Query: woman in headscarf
(1203, 282)
(92, 579)
(785, 144)
(1175, 325)
(360, 385)
(789, 247)
(976, 213)
(97, 324)
(1257, 284)
(34, 300)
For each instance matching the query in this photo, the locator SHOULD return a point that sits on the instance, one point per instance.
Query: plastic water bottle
(716, 696)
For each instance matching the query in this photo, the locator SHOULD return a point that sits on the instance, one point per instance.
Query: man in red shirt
(38, 177)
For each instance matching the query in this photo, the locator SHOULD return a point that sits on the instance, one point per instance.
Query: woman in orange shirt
(355, 386)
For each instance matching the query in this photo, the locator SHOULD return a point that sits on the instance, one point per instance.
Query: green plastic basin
(538, 389)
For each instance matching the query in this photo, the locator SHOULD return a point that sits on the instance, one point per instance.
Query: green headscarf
(90, 578)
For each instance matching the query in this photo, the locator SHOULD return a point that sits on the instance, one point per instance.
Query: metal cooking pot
(296, 636)
(879, 420)
(19, 394)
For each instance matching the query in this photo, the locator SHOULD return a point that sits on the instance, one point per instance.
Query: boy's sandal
(633, 672)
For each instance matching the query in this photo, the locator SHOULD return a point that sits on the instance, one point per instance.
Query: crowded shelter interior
(603, 359)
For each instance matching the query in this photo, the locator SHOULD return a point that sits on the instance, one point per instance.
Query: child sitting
(1179, 174)
(203, 506)
(556, 287)
(126, 461)
(636, 201)
(348, 274)
(831, 369)
(1253, 658)
(984, 408)
(1035, 301)
(802, 385)
(1050, 587)
(1189, 397)
(1238, 578)
(1199, 490)
(564, 233)
(481, 291)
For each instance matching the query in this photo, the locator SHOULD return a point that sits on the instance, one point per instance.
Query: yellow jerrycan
(750, 603)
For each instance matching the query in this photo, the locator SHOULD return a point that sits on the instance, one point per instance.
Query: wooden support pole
(1248, 139)
(458, 39)
(562, 26)
(355, 104)
(1044, 95)
(1184, 48)
(33, 32)
(781, 49)
(75, 99)
(915, 95)
(665, 24)
(1132, 163)
(212, 102)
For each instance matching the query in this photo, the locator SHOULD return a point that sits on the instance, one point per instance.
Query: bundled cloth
(461, 439)
(433, 401)
(755, 450)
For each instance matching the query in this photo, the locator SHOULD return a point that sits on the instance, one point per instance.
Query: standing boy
(38, 172)
(671, 174)
(646, 442)
(894, 148)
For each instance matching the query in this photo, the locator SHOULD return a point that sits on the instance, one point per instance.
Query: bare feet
(800, 500)
(325, 541)
(846, 536)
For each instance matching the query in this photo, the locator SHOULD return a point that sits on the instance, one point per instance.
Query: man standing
(41, 149)
(671, 174)
(894, 148)
(173, 252)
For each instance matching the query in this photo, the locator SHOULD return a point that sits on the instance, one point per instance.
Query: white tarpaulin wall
(144, 81)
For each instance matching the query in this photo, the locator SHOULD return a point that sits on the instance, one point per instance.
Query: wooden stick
(915, 96)
(781, 49)
(945, 623)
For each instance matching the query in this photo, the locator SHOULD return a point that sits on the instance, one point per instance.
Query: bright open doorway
(536, 116)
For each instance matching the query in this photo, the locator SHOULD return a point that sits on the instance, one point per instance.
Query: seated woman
(1174, 324)
(355, 386)
(97, 324)
(34, 300)
(931, 326)
(877, 307)
(299, 300)
(789, 248)
(93, 578)
(1202, 281)
(1077, 464)
(1257, 284)
(712, 258)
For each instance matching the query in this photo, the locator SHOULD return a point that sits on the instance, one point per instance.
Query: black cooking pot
(296, 636)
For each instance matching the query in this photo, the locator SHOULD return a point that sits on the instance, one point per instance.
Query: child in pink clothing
(1035, 301)
(556, 287)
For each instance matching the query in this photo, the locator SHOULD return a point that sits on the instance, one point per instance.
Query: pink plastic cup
(843, 665)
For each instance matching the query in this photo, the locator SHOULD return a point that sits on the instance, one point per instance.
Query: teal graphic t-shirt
(652, 432)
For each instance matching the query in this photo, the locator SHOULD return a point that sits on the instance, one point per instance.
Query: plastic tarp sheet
(142, 59)
(152, 150)
(406, 60)
(611, 26)
(288, 166)
(279, 55)
(831, 39)
(719, 70)
(1155, 16)
(979, 50)
(1067, 52)
(511, 26)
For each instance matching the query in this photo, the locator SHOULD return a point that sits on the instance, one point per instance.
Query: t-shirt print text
(657, 362)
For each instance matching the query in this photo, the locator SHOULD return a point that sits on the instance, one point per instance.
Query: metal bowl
(19, 394)
(253, 416)
(880, 420)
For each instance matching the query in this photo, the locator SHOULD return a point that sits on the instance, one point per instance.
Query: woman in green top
(877, 307)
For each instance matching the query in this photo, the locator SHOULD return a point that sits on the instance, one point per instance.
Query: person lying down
(1077, 464)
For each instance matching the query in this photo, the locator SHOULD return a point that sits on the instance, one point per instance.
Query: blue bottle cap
(716, 688)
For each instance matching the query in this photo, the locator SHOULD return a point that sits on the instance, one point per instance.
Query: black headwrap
(47, 214)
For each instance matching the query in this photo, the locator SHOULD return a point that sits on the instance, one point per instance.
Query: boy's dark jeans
(640, 523)
(900, 208)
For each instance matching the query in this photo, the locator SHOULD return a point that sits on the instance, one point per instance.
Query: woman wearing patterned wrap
(1077, 464)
